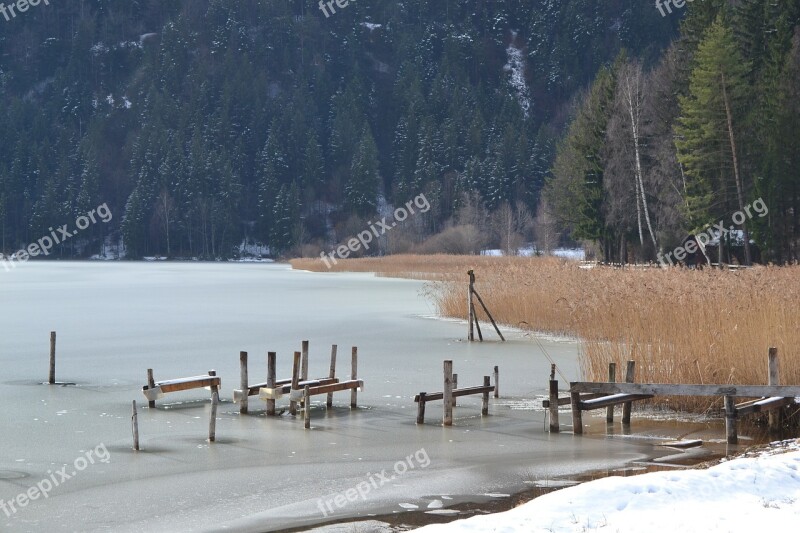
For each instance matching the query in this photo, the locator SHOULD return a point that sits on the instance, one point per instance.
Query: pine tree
(362, 188)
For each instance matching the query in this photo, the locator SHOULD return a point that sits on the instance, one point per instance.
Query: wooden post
(243, 383)
(477, 324)
(332, 375)
(612, 378)
(135, 423)
(304, 373)
(485, 408)
(271, 378)
(212, 425)
(295, 382)
(626, 407)
(421, 408)
(470, 307)
(554, 424)
(354, 376)
(774, 379)
(52, 375)
(730, 419)
(307, 407)
(496, 382)
(577, 415)
(447, 419)
(151, 384)
(455, 386)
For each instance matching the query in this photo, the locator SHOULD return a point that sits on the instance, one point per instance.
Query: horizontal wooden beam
(266, 393)
(284, 384)
(566, 400)
(297, 394)
(467, 391)
(762, 406)
(658, 389)
(178, 385)
(614, 399)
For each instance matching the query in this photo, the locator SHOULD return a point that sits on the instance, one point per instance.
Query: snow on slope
(750, 494)
(516, 66)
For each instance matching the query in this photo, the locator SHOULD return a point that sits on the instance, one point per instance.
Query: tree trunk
(747, 258)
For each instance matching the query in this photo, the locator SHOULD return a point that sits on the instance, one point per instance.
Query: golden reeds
(681, 326)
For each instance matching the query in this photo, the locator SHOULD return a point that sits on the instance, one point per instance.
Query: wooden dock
(587, 396)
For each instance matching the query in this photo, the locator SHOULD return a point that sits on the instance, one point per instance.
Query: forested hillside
(707, 136)
(202, 123)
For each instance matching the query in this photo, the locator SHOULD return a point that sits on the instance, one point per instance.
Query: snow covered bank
(758, 492)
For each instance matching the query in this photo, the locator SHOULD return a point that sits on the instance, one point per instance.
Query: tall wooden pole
(354, 376)
(295, 382)
(244, 385)
(496, 382)
(151, 384)
(271, 378)
(447, 419)
(332, 375)
(212, 424)
(612, 378)
(774, 379)
(135, 423)
(52, 376)
(630, 372)
(471, 307)
(304, 373)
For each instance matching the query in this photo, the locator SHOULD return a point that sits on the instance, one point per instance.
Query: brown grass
(681, 326)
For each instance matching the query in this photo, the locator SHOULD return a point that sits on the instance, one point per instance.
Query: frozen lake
(115, 320)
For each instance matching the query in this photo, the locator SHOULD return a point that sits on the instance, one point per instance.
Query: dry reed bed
(681, 326)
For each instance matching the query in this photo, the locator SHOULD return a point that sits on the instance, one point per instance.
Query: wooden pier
(451, 392)
(586, 396)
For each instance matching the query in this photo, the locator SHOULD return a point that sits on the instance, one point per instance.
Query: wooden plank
(566, 399)
(491, 318)
(197, 382)
(325, 389)
(763, 406)
(614, 399)
(467, 391)
(276, 393)
(662, 389)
